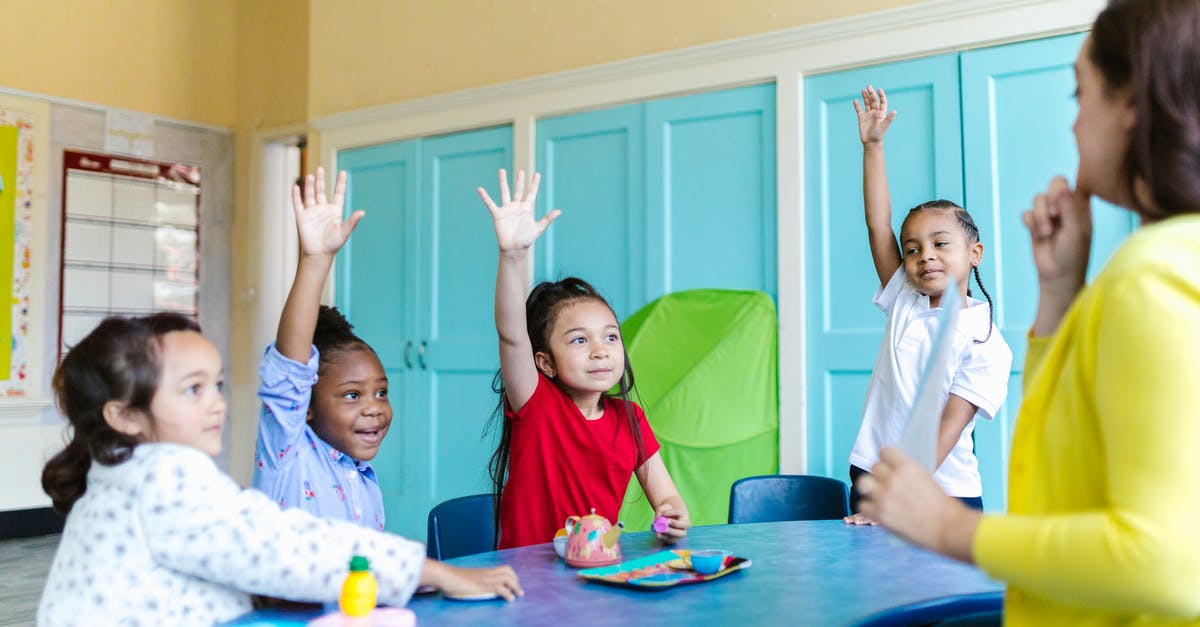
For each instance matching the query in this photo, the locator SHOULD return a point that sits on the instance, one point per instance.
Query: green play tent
(705, 364)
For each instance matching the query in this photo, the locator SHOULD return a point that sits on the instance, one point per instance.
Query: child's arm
(322, 233)
(516, 231)
(955, 417)
(873, 123)
(664, 498)
(457, 581)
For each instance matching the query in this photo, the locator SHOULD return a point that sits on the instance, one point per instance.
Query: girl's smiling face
(350, 409)
(586, 352)
(936, 249)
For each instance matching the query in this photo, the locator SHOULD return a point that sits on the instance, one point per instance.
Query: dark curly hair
(334, 335)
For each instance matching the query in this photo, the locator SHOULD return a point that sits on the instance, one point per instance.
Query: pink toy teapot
(592, 541)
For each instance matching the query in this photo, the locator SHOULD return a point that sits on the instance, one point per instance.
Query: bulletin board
(130, 240)
(19, 154)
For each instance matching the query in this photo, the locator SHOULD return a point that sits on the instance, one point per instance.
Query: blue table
(803, 573)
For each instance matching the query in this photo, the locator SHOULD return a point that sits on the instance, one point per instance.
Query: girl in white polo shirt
(939, 243)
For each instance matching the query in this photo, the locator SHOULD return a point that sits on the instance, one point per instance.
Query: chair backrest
(985, 609)
(770, 498)
(462, 526)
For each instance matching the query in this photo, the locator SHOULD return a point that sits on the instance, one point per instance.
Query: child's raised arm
(322, 233)
(516, 231)
(873, 123)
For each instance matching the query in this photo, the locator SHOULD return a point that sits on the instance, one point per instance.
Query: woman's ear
(125, 420)
(544, 363)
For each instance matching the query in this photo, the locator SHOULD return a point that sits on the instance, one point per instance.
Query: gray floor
(24, 564)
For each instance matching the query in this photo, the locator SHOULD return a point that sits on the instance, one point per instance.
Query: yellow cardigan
(1104, 477)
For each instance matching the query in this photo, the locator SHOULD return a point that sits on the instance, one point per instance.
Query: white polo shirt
(980, 378)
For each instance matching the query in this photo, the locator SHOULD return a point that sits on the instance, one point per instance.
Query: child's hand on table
(859, 519)
(466, 582)
(670, 523)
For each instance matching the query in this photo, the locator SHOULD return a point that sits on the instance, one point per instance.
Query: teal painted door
(924, 161)
(1017, 117)
(417, 281)
(662, 196)
(1015, 120)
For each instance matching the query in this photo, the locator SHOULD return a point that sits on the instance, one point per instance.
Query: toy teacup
(709, 561)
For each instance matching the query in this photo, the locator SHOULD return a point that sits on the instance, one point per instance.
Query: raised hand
(319, 220)
(516, 229)
(873, 116)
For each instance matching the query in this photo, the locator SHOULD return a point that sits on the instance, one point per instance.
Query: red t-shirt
(562, 464)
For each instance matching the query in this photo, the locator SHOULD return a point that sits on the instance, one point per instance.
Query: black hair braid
(991, 308)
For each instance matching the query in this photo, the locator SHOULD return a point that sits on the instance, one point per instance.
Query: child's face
(350, 409)
(586, 352)
(936, 249)
(188, 407)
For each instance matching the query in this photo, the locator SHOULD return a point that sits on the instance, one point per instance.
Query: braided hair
(972, 232)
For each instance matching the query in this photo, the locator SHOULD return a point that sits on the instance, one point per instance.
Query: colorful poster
(17, 154)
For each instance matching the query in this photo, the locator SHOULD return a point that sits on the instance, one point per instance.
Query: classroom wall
(366, 52)
(173, 58)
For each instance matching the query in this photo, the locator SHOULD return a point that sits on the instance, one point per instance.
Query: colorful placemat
(660, 571)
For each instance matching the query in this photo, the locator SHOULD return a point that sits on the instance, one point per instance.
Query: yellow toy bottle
(358, 591)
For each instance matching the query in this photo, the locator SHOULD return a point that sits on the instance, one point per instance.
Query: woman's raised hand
(516, 229)
(318, 220)
(873, 116)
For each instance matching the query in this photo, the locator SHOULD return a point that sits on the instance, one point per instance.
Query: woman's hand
(318, 220)
(1060, 229)
(873, 116)
(902, 497)
(678, 522)
(516, 230)
(454, 581)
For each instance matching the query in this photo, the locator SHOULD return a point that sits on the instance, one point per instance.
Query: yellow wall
(372, 52)
(173, 58)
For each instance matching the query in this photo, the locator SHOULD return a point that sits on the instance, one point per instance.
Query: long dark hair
(968, 226)
(118, 361)
(545, 302)
(1152, 48)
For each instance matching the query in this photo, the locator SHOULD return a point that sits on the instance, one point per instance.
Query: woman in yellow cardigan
(1104, 478)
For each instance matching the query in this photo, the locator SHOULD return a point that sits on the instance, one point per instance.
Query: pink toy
(661, 524)
(592, 541)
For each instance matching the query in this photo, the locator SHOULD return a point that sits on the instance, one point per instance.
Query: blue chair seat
(774, 498)
(462, 526)
(985, 609)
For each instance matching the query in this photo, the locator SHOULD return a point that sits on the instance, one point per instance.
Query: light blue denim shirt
(294, 466)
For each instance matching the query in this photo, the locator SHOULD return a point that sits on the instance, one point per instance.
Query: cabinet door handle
(421, 354)
(407, 360)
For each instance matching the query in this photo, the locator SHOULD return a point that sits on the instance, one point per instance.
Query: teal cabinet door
(710, 192)
(374, 288)
(1017, 115)
(457, 353)
(417, 280)
(844, 328)
(592, 169)
(662, 196)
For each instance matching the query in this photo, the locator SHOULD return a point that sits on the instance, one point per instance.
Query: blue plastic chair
(985, 609)
(462, 526)
(771, 498)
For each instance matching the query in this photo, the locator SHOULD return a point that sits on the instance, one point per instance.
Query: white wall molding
(784, 57)
(22, 411)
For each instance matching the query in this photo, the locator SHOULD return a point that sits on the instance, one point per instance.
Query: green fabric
(705, 364)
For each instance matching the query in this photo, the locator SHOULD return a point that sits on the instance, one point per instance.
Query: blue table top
(803, 573)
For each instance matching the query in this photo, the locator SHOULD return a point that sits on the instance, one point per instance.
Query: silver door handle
(421, 354)
(407, 348)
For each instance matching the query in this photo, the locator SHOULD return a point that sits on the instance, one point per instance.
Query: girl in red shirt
(566, 446)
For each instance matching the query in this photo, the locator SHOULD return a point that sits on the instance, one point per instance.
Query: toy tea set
(592, 543)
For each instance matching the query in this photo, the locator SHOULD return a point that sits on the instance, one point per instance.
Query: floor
(24, 564)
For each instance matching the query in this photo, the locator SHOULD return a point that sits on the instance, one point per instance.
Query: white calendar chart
(130, 240)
